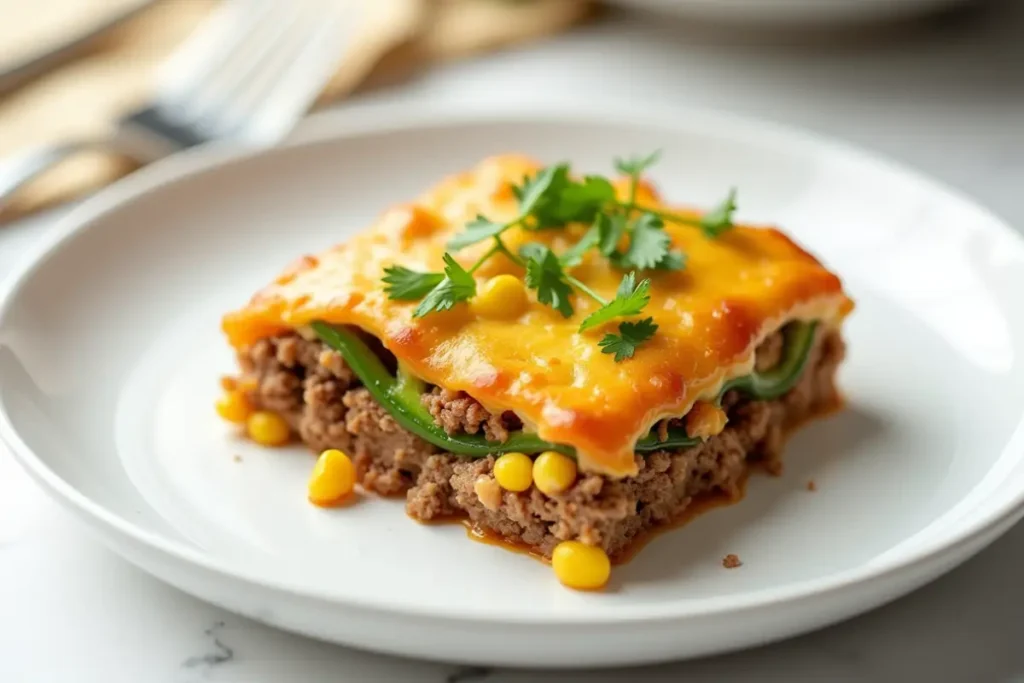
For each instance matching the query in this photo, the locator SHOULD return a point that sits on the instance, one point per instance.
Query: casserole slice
(565, 362)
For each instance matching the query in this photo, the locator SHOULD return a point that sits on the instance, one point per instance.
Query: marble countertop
(947, 97)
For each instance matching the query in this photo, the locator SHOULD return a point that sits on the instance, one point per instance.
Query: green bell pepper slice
(401, 395)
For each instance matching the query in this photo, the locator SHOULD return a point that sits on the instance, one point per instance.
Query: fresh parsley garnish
(581, 202)
(630, 336)
(719, 219)
(610, 231)
(629, 300)
(628, 234)
(403, 284)
(456, 285)
(573, 256)
(649, 244)
(635, 166)
(540, 198)
(544, 273)
(477, 230)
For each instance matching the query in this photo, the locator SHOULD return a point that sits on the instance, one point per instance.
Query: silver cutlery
(245, 76)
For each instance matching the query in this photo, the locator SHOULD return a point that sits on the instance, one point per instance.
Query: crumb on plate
(811, 486)
(731, 561)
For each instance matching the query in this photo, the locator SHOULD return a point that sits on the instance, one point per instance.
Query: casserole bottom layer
(311, 386)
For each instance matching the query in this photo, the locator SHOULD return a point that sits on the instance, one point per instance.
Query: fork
(245, 76)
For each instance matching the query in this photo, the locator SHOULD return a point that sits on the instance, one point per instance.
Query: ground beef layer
(312, 387)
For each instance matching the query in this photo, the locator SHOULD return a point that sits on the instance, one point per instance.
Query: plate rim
(330, 126)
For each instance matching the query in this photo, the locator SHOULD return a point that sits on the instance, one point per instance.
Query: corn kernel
(503, 297)
(581, 566)
(267, 428)
(553, 472)
(514, 472)
(233, 407)
(333, 478)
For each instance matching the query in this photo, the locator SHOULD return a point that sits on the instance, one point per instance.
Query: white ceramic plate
(110, 353)
(807, 13)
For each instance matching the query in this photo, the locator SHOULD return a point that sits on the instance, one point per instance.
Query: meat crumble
(322, 400)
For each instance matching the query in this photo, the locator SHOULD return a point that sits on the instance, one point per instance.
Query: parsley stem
(499, 246)
(490, 252)
(634, 181)
(586, 290)
(664, 215)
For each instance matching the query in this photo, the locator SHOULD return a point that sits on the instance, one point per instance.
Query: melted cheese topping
(734, 292)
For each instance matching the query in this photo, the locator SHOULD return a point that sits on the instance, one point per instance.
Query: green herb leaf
(630, 336)
(544, 273)
(403, 284)
(537, 195)
(611, 229)
(457, 285)
(648, 244)
(673, 260)
(629, 300)
(719, 219)
(573, 256)
(581, 202)
(635, 166)
(478, 230)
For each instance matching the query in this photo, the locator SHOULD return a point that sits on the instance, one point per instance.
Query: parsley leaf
(581, 202)
(544, 273)
(719, 219)
(630, 336)
(457, 285)
(648, 244)
(634, 166)
(403, 284)
(629, 300)
(540, 196)
(673, 260)
(611, 229)
(573, 256)
(478, 230)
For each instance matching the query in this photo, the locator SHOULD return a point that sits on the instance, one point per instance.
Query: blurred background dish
(790, 13)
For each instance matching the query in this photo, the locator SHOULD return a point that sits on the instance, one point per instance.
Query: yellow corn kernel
(553, 472)
(234, 407)
(705, 420)
(503, 297)
(581, 566)
(514, 472)
(267, 428)
(333, 478)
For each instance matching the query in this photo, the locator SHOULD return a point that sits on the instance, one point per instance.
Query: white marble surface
(948, 98)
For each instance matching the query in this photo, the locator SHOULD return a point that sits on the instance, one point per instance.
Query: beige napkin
(112, 73)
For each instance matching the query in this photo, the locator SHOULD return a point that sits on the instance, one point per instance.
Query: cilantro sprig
(630, 336)
(628, 233)
(456, 285)
(630, 299)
